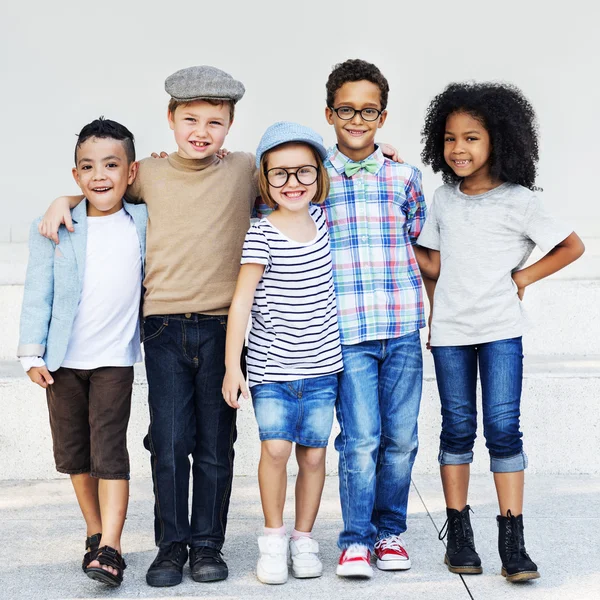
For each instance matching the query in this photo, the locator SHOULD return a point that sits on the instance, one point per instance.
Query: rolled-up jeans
(501, 374)
(379, 396)
(185, 366)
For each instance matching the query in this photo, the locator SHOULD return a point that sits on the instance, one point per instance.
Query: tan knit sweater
(198, 215)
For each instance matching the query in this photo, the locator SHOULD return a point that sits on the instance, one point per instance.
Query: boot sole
(462, 570)
(210, 576)
(523, 576)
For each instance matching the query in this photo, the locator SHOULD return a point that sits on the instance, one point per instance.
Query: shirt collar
(338, 160)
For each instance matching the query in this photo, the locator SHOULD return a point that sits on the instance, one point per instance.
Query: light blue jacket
(54, 283)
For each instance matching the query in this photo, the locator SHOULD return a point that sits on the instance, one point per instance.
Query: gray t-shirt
(482, 240)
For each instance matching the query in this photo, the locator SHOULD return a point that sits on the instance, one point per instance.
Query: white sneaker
(272, 566)
(304, 553)
(355, 562)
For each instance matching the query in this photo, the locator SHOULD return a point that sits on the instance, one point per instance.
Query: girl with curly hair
(483, 225)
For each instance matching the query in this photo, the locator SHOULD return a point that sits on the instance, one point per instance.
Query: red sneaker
(391, 554)
(355, 562)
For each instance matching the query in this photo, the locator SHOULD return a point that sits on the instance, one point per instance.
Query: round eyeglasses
(346, 113)
(279, 176)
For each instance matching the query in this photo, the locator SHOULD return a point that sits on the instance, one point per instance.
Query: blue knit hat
(284, 132)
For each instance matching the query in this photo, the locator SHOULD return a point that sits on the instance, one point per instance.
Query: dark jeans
(185, 366)
(501, 375)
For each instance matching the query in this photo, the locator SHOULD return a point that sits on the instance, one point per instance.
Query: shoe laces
(393, 542)
(460, 529)
(211, 553)
(513, 542)
(171, 554)
(357, 550)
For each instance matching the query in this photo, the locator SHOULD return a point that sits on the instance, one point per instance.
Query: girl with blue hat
(294, 351)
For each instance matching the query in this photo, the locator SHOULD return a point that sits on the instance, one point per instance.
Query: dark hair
(105, 128)
(506, 114)
(355, 69)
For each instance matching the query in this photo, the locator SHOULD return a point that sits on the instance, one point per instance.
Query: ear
(382, 118)
(329, 115)
(171, 119)
(75, 175)
(133, 169)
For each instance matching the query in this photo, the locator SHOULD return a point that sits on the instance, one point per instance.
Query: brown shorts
(89, 413)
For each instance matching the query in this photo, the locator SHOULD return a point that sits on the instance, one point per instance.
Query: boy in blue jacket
(80, 336)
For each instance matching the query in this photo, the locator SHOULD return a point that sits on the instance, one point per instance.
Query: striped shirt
(294, 332)
(374, 219)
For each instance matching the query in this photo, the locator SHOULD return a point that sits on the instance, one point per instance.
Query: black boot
(461, 556)
(516, 564)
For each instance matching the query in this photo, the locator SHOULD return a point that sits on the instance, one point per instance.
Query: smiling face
(200, 128)
(103, 173)
(294, 196)
(356, 137)
(467, 147)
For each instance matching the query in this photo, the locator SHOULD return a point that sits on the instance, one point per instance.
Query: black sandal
(91, 545)
(109, 557)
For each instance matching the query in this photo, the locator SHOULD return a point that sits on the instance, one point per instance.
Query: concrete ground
(42, 534)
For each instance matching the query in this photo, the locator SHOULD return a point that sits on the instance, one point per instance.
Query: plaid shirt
(374, 219)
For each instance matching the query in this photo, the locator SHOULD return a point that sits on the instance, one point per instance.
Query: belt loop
(165, 320)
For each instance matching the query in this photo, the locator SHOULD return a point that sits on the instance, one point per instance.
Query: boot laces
(460, 529)
(514, 542)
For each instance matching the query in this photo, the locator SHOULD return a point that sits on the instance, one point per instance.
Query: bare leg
(113, 496)
(455, 481)
(309, 485)
(86, 490)
(272, 479)
(509, 487)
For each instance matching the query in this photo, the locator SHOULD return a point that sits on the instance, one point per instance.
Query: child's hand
(520, 283)
(41, 376)
(163, 154)
(232, 384)
(59, 212)
(222, 153)
(428, 344)
(390, 152)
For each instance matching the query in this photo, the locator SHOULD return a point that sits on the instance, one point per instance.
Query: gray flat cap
(202, 82)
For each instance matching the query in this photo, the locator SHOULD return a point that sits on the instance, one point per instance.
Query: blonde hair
(174, 104)
(322, 177)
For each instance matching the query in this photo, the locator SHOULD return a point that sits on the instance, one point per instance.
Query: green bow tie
(354, 167)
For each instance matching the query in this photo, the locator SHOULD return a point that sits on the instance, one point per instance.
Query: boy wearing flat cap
(199, 207)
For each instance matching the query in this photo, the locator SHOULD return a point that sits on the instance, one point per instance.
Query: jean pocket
(153, 327)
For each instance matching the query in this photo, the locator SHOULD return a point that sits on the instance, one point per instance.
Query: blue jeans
(185, 366)
(377, 408)
(501, 374)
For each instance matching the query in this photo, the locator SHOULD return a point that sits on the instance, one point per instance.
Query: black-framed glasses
(306, 175)
(346, 113)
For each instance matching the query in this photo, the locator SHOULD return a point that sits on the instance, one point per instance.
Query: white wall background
(64, 63)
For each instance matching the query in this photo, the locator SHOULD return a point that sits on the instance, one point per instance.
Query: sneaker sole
(306, 572)
(362, 572)
(271, 579)
(157, 581)
(462, 570)
(523, 576)
(211, 576)
(393, 565)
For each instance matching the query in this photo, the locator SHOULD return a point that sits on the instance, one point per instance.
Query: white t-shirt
(294, 332)
(106, 328)
(482, 240)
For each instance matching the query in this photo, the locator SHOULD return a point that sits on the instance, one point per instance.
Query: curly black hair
(355, 69)
(506, 114)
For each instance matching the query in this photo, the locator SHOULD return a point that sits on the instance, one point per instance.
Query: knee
(276, 452)
(311, 459)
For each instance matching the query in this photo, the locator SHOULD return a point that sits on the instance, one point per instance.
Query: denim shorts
(299, 411)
